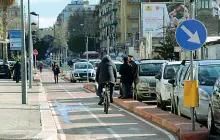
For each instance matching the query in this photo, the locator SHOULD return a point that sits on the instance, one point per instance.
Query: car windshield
(170, 71)
(83, 66)
(3, 67)
(118, 67)
(208, 74)
(149, 69)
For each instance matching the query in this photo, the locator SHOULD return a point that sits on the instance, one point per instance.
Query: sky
(49, 10)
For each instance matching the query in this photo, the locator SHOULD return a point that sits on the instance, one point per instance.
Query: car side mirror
(171, 81)
(158, 76)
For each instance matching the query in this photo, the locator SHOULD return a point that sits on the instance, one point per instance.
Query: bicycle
(106, 102)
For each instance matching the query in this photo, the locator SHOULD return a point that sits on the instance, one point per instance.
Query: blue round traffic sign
(191, 34)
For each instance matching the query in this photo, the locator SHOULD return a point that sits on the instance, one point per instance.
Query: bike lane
(78, 117)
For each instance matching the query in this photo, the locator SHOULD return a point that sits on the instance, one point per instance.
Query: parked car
(118, 65)
(146, 82)
(5, 71)
(175, 88)
(163, 88)
(95, 63)
(206, 72)
(11, 64)
(213, 122)
(79, 72)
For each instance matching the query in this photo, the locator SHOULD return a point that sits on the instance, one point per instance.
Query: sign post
(191, 35)
(35, 60)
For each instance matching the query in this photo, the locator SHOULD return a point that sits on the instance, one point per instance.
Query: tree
(80, 24)
(166, 51)
(5, 4)
(61, 35)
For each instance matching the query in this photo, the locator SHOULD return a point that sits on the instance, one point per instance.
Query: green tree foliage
(80, 24)
(166, 50)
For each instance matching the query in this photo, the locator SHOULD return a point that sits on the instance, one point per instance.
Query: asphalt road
(78, 117)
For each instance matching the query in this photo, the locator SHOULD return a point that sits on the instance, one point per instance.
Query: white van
(163, 88)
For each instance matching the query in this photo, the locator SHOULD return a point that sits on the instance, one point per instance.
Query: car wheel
(163, 105)
(172, 105)
(178, 110)
(158, 103)
(210, 121)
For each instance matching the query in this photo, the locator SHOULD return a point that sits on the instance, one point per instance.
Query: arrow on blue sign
(194, 38)
(191, 34)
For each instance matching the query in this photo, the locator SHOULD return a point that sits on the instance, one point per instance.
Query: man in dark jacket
(17, 71)
(106, 73)
(126, 78)
(134, 72)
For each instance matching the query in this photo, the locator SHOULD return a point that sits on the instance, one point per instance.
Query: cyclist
(106, 73)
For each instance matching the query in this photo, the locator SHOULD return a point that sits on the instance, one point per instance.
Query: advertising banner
(15, 40)
(157, 16)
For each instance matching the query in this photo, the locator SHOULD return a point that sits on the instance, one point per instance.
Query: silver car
(206, 72)
(79, 72)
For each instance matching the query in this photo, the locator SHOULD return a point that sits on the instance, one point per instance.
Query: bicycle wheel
(106, 101)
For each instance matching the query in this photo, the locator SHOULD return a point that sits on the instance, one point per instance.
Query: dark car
(213, 122)
(5, 71)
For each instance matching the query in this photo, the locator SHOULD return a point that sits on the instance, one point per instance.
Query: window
(205, 4)
(83, 66)
(149, 69)
(170, 71)
(208, 74)
(135, 11)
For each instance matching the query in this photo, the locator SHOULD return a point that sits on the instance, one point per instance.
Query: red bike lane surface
(78, 117)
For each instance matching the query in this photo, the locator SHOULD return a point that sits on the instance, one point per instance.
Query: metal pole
(23, 66)
(87, 57)
(192, 9)
(35, 61)
(30, 47)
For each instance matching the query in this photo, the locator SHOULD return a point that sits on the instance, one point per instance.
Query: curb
(90, 87)
(49, 130)
(176, 124)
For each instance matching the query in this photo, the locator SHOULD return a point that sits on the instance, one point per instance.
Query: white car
(163, 88)
(146, 82)
(79, 72)
(118, 65)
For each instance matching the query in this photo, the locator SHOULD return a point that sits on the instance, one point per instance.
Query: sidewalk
(19, 121)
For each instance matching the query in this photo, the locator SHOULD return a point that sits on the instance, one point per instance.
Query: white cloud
(46, 22)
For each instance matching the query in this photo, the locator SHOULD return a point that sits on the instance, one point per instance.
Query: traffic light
(34, 37)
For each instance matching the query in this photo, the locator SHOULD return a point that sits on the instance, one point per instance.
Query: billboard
(155, 16)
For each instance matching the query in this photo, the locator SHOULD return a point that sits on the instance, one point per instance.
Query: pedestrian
(40, 65)
(134, 73)
(56, 71)
(126, 78)
(106, 73)
(17, 71)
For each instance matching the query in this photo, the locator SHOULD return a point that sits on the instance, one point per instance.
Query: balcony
(134, 1)
(114, 22)
(133, 16)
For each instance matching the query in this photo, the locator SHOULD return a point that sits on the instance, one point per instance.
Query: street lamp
(87, 54)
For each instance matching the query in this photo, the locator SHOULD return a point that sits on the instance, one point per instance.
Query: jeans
(100, 90)
(126, 89)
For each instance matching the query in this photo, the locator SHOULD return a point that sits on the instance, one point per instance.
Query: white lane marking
(117, 137)
(61, 133)
(147, 122)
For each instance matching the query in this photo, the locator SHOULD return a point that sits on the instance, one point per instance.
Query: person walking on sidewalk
(40, 65)
(17, 71)
(106, 73)
(56, 72)
(126, 78)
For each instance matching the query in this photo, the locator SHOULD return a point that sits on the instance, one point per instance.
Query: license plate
(2, 73)
(84, 76)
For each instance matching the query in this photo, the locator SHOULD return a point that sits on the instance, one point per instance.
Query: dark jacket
(17, 69)
(134, 70)
(106, 71)
(56, 70)
(126, 73)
